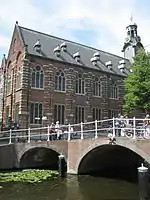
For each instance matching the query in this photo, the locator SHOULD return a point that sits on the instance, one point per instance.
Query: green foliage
(28, 176)
(137, 84)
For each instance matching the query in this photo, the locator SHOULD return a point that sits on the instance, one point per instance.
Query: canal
(71, 188)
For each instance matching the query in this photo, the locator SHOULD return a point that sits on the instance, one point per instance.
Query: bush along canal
(28, 176)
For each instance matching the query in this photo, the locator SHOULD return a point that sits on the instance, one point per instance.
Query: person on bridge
(58, 130)
(146, 124)
(112, 139)
(52, 131)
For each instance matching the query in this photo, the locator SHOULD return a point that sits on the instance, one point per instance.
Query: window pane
(99, 92)
(96, 89)
(97, 114)
(59, 114)
(63, 114)
(42, 80)
(79, 114)
(79, 86)
(55, 113)
(82, 114)
(36, 113)
(93, 114)
(82, 87)
(37, 79)
(31, 113)
(60, 84)
(33, 79)
(40, 112)
(63, 84)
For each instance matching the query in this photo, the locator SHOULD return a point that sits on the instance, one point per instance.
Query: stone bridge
(82, 156)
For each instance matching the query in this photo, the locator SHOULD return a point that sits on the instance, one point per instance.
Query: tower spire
(131, 18)
(133, 41)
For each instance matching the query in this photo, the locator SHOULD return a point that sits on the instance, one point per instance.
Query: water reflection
(72, 188)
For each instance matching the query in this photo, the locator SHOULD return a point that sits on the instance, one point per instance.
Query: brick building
(62, 80)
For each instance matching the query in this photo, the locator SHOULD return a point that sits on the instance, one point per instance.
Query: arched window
(114, 91)
(60, 81)
(80, 84)
(37, 77)
(97, 87)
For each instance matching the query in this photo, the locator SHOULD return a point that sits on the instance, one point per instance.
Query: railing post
(96, 129)
(29, 134)
(48, 133)
(69, 129)
(114, 127)
(134, 128)
(81, 130)
(10, 136)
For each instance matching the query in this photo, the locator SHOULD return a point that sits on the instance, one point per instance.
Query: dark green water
(72, 188)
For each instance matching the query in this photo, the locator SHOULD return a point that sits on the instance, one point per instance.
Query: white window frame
(79, 117)
(34, 82)
(36, 119)
(97, 87)
(80, 84)
(114, 92)
(58, 117)
(60, 81)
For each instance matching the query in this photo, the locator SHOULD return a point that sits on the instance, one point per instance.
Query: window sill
(113, 99)
(31, 124)
(34, 88)
(59, 91)
(97, 96)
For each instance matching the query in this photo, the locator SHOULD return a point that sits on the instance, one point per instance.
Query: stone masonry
(74, 150)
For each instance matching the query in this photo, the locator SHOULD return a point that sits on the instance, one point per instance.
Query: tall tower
(132, 42)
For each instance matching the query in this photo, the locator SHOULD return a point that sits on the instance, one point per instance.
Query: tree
(137, 84)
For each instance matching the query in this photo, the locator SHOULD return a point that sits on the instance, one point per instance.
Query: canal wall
(8, 157)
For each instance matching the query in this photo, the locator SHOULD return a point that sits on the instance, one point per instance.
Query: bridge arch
(39, 156)
(102, 158)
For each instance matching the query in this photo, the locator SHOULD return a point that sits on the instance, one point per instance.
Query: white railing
(116, 127)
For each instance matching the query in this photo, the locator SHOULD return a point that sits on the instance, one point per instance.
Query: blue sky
(98, 23)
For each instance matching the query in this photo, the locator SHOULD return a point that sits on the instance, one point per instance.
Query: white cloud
(107, 19)
(4, 41)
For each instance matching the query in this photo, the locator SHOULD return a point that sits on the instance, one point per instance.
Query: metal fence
(115, 127)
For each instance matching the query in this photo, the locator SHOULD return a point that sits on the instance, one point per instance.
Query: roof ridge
(66, 40)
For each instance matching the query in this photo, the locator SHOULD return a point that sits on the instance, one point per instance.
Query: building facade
(50, 78)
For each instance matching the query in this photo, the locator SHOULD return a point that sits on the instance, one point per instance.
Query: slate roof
(49, 42)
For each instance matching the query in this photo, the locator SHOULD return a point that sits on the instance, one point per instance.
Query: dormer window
(63, 47)
(76, 56)
(121, 65)
(94, 61)
(108, 64)
(97, 55)
(37, 46)
(57, 51)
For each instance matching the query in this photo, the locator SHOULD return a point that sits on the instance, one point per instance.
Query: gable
(16, 45)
